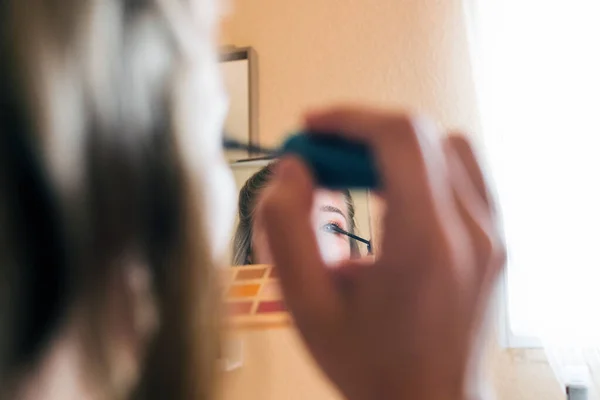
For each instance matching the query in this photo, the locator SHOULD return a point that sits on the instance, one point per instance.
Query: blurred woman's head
(329, 207)
(110, 122)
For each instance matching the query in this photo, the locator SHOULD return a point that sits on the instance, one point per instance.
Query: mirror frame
(232, 53)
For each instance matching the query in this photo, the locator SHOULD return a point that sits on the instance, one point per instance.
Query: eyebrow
(332, 209)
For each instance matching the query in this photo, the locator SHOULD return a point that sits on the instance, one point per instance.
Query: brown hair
(247, 200)
(91, 175)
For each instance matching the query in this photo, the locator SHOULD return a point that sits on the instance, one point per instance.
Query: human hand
(406, 325)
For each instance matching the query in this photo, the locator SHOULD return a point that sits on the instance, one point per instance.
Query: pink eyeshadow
(239, 308)
(248, 274)
(270, 307)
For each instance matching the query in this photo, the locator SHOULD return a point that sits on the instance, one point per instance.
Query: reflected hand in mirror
(333, 219)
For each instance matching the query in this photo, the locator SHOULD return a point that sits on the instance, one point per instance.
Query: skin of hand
(407, 325)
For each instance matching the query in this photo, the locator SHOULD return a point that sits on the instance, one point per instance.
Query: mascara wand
(334, 228)
(232, 144)
(336, 163)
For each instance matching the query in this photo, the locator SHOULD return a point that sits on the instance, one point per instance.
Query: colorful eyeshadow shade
(240, 291)
(248, 274)
(253, 298)
(270, 289)
(265, 307)
(239, 308)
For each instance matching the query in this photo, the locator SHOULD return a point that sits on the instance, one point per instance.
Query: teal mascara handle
(336, 163)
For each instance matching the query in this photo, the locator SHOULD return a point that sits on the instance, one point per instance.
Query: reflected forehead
(330, 201)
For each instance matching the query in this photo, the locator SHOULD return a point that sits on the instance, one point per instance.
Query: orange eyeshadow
(247, 274)
(238, 291)
(270, 307)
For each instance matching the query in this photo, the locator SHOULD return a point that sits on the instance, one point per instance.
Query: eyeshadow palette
(253, 298)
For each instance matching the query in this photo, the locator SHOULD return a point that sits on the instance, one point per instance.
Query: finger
(464, 150)
(411, 161)
(477, 219)
(285, 210)
(350, 276)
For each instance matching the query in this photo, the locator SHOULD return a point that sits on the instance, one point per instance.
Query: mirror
(238, 67)
(340, 219)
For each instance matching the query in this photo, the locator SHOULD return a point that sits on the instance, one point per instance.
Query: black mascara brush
(232, 144)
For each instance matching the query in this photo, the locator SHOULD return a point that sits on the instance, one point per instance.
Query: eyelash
(337, 225)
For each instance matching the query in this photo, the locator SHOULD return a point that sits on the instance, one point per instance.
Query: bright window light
(538, 75)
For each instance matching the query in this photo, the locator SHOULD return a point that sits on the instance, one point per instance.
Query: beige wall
(314, 52)
(406, 53)
(275, 367)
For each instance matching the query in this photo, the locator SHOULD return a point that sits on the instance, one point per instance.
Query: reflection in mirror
(238, 67)
(340, 219)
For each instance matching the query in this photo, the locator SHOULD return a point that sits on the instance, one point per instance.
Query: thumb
(286, 213)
